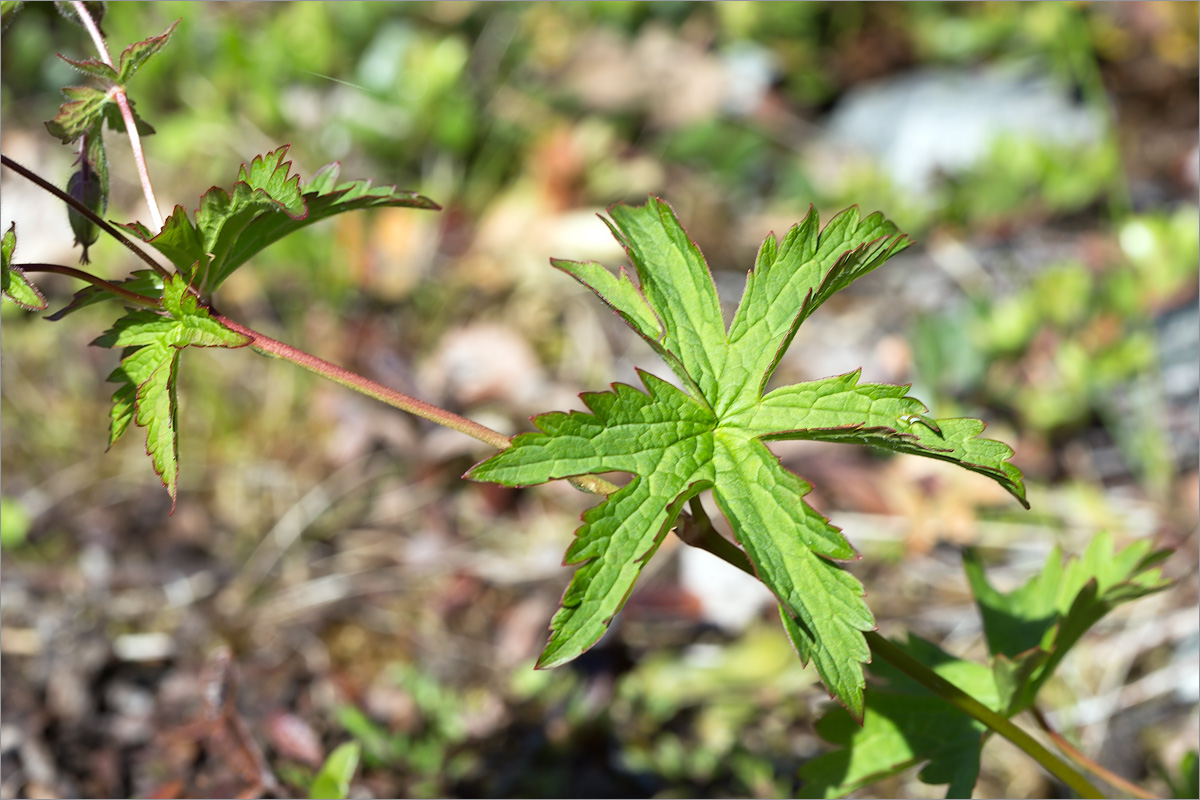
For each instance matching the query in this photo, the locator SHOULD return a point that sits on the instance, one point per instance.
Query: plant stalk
(118, 93)
(1073, 753)
(33, 177)
(964, 702)
(352, 380)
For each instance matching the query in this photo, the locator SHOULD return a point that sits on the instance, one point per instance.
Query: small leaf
(149, 367)
(905, 724)
(178, 240)
(333, 781)
(265, 204)
(16, 287)
(82, 113)
(143, 281)
(323, 197)
(90, 66)
(139, 53)
(1031, 629)
(156, 409)
(116, 121)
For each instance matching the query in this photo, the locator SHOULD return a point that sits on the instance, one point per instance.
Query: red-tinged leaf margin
(16, 287)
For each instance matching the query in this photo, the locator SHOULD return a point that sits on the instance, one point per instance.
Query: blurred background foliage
(1042, 154)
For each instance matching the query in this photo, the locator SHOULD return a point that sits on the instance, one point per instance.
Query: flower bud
(84, 186)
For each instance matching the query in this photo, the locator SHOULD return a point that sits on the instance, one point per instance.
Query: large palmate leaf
(265, 204)
(152, 342)
(710, 434)
(1030, 630)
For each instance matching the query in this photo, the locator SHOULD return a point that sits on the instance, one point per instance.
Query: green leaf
(265, 204)
(333, 781)
(82, 113)
(905, 724)
(1031, 629)
(710, 434)
(143, 281)
(149, 368)
(16, 287)
(139, 53)
(116, 121)
(90, 66)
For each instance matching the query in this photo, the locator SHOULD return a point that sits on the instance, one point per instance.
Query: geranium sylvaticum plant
(705, 430)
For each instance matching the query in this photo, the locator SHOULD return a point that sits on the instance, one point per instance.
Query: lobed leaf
(16, 287)
(1031, 629)
(266, 203)
(712, 434)
(83, 112)
(149, 366)
(138, 53)
(90, 66)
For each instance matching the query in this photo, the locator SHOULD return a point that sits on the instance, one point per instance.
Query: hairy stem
(352, 380)
(72, 272)
(33, 177)
(118, 93)
(1073, 753)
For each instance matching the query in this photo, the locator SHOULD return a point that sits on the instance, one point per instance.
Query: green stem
(1073, 753)
(82, 209)
(72, 272)
(964, 702)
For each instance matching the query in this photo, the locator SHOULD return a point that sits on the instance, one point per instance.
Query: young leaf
(333, 781)
(83, 112)
(1031, 629)
(90, 66)
(679, 442)
(16, 287)
(265, 204)
(905, 724)
(143, 281)
(149, 367)
(138, 53)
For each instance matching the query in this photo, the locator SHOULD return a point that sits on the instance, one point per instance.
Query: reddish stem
(118, 93)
